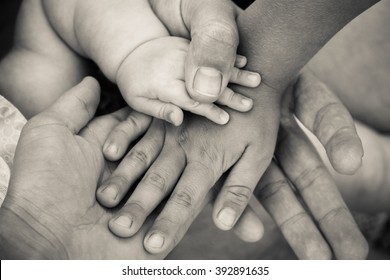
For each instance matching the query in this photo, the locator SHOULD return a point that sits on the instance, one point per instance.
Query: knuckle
(183, 198)
(239, 195)
(157, 181)
(135, 208)
(294, 219)
(309, 177)
(138, 156)
(328, 217)
(217, 32)
(270, 189)
(183, 136)
(133, 123)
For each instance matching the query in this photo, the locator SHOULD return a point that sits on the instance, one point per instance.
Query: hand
(156, 86)
(198, 153)
(50, 210)
(211, 26)
(299, 171)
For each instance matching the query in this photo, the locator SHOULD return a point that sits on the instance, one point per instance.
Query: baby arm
(121, 39)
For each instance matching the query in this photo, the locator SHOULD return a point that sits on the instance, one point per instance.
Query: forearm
(106, 32)
(279, 37)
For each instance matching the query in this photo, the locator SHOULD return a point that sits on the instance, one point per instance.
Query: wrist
(25, 236)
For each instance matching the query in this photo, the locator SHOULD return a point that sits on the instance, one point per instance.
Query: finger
(322, 112)
(241, 61)
(154, 187)
(132, 166)
(245, 78)
(235, 101)
(181, 208)
(213, 47)
(76, 107)
(304, 168)
(158, 109)
(210, 111)
(249, 227)
(100, 127)
(237, 189)
(277, 197)
(124, 133)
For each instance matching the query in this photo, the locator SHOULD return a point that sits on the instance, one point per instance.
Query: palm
(72, 166)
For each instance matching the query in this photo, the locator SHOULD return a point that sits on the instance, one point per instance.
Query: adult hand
(50, 210)
(211, 26)
(201, 161)
(299, 171)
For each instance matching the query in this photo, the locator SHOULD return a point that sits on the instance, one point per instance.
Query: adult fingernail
(208, 81)
(110, 191)
(227, 216)
(224, 117)
(124, 221)
(110, 149)
(155, 240)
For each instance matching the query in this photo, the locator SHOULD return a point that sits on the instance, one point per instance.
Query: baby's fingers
(124, 133)
(158, 109)
(245, 78)
(235, 101)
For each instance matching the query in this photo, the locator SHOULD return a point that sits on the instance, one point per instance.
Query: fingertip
(176, 117)
(207, 85)
(121, 226)
(226, 218)
(249, 227)
(241, 61)
(108, 195)
(347, 158)
(155, 242)
(111, 151)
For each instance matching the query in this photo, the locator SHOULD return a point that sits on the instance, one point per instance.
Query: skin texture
(270, 97)
(50, 210)
(209, 161)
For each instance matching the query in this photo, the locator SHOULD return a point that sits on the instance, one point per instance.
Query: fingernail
(254, 77)
(227, 216)
(224, 117)
(156, 240)
(124, 221)
(246, 102)
(241, 60)
(174, 119)
(208, 81)
(111, 149)
(110, 191)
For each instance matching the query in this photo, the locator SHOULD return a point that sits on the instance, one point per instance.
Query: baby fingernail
(124, 221)
(227, 217)
(110, 192)
(208, 81)
(224, 117)
(241, 60)
(254, 77)
(173, 119)
(156, 240)
(247, 102)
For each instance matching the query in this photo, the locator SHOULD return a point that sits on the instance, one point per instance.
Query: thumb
(213, 47)
(77, 106)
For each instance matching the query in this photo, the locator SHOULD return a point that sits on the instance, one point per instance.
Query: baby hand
(151, 80)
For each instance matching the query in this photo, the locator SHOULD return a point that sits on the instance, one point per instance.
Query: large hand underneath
(50, 210)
